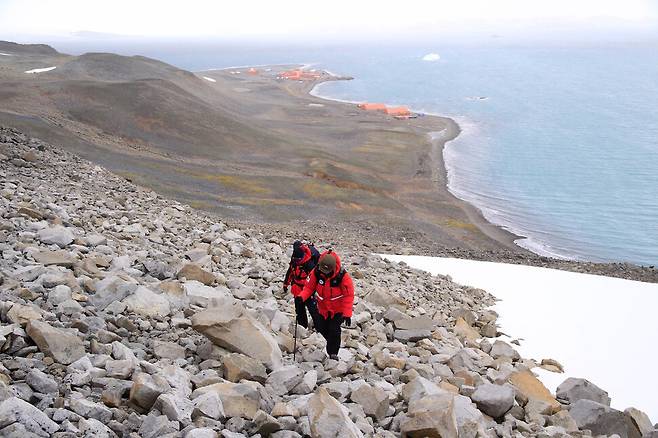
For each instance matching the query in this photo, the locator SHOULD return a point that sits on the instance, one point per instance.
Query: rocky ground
(127, 314)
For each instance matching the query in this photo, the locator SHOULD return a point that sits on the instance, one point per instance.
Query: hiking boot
(333, 356)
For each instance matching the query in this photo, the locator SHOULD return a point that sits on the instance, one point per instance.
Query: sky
(336, 19)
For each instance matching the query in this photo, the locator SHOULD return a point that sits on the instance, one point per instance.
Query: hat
(298, 253)
(327, 264)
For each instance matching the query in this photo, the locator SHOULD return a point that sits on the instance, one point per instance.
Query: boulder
(283, 380)
(464, 330)
(57, 235)
(20, 314)
(431, 416)
(573, 389)
(503, 349)
(329, 419)
(419, 388)
(145, 302)
(601, 419)
(493, 400)
(110, 289)
(41, 382)
(175, 407)
(372, 399)
(234, 329)
(412, 335)
(208, 405)
(202, 295)
(238, 399)
(146, 389)
(155, 426)
(238, 366)
(383, 298)
(168, 350)
(414, 323)
(194, 272)
(470, 421)
(55, 258)
(14, 410)
(63, 346)
(91, 427)
(640, 419)
(528, 387)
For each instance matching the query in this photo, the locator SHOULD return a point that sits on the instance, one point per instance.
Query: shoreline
(440, 173)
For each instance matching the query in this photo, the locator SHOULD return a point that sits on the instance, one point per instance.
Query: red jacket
(297, 274)
(335, 294)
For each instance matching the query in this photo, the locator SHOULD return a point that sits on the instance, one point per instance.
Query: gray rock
(493, 400)
(89, 409)
(431, 416)
(640, 419)
(374, 400)
(57, 235)
(232, 328)
(110, 289)
(573, 389)
(238, 366)
(155, 426)
(146, 389)
(14, 410)
(92, 428)
(266, 424)
(168, 350)
(415, 323)
(59, 344)
(283, 380)
(602, 419)
(41, 382)
(239, 400)
(145, 302)
(503, 349)
(412, 335)
(201, 432)
(208, 405)
(175, 407)
(329, 419)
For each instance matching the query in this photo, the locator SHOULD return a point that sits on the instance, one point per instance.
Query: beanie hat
(327, 264)
(298, 252)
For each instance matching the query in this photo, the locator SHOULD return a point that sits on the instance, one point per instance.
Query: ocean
(559, 144)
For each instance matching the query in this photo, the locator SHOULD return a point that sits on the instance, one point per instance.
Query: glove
(347, 321)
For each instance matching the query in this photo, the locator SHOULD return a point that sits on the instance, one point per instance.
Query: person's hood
(336, 257)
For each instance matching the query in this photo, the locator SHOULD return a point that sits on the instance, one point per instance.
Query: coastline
(438, 141)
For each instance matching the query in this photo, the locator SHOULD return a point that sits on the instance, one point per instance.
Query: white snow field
(600, 328)
(209, 79)
(5, 54)
(40, 70)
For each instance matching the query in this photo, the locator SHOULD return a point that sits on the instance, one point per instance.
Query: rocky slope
(127, 314)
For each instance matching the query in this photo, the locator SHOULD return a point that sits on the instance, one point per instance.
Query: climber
(334, 290)
(304, 259)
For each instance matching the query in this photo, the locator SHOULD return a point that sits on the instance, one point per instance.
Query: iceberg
(431, 57)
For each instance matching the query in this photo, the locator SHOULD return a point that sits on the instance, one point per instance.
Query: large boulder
(283, 380)
(63, 346)
(57, 235)
(470, 421)
(329, 419)
(641, 420)
(238, 366)
(145, 302)
(431, 416)
(146, 389)
(194, 272)
(372, 399)
(503, 349)
(14, 410)
(603, 420)
(202, 295)
(573, 389)
(233, 328)
(493, 400)
(528, 387)
(238, 399)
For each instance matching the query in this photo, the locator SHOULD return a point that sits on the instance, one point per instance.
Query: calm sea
(558, 144)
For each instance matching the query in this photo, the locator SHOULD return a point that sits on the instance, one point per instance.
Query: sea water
(558, 144)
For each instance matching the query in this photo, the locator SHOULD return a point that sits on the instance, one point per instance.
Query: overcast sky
(338, 18)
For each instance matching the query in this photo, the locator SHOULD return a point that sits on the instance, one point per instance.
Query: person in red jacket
(304, 259)
(334, 291)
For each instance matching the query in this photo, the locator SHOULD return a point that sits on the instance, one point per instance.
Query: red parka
(335, 292)
(298, 273)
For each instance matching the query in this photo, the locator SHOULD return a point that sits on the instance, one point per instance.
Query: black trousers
(300, 311)
(329, 328)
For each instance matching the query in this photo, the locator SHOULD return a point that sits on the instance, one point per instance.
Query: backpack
(315, 254)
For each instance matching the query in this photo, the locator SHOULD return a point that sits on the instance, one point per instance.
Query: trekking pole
(294, 350)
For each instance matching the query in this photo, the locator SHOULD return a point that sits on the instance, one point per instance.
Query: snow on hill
(599, 328)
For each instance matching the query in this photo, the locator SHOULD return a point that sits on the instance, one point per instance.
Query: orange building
(372, 106)
(299, 75)
(398, 111)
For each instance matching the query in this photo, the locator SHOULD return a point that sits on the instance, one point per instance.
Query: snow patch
(431, 57)
(40, 70)
(5, 54)
(209, 79)
(600, 328)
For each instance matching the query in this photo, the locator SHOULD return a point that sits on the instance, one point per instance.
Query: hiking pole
(294, 350)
